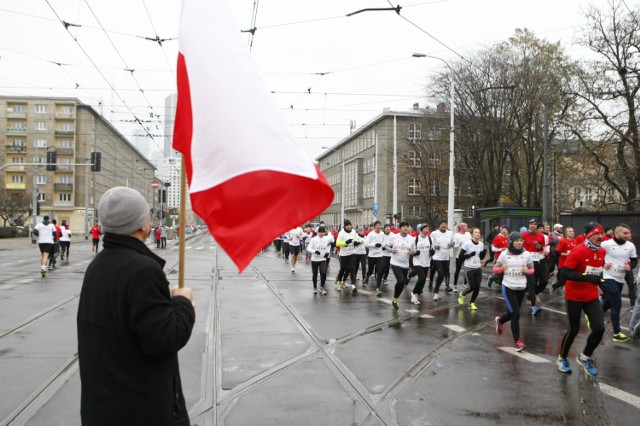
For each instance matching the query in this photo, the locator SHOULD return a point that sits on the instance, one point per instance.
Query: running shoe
(563, 365)
(473, 306)
(621, 337)
(315, 290)
(490, 281)
(436, 297)
(394, 303)
(535, 310)
(293, 270)
(448, 290)
(519, 345)
(455, 288)
(414, 299)
(43, 272)
(499, 327)
(461, 299)
(339, 286)
(587, 364)
(378, 293)
(354, 290)
(323, 291)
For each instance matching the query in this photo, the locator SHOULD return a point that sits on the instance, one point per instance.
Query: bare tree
(12, 205)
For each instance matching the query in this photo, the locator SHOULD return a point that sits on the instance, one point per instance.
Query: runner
(499, 244)
(386, 253)
(45, 232)
(360, 252)
(403, 246)
(442, 242)
(347, 240)
(65, 242)
(295, 238)
(472, 252)
(564, 247)
(582, 272)
(55, 252)
(535, 243)
(374, 242)
(621, 257)
(516, 265)
(96, 231)
(421, 261)
(459, 238)
(319, 247)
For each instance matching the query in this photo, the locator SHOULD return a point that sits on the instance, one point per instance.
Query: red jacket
(583, 259)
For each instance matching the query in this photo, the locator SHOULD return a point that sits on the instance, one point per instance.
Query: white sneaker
(436, 297)
(414, 299)
(315, 290)
(293, 270)
(455, 288)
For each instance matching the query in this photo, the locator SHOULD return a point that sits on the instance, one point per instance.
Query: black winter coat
(130, 330)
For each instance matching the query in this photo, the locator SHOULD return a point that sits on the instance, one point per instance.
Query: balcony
(65, 115)
(19, 131)
(63, 204)
(64, 151)
(16, 149)
(16, 114)
(63, 187)
(10, 185)
(64, 132)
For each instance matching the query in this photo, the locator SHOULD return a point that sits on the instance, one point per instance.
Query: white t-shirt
(458, 241)
(387, 244)
(344, 236)
(442, 242)
(473, 262)
(514, 276)
(618, 256)
(295, 236)
(370, 242)
(321, 244)
(45, 233)
(423, 246)
(403, 247)
(66, 234)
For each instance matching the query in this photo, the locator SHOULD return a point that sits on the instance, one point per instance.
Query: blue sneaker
(490, 281)
(563, 365)
(587, 364)
(535, 310)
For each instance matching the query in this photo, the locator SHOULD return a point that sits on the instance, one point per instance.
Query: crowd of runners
(593, 268)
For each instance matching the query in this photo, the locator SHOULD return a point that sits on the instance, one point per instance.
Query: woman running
(472, 252)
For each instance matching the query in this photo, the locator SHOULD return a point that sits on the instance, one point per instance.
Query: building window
(414, 159)
(16, 125)
(41, 108)
(65, 179)
(415, 132)
(65, 143)
(433, 188)
(17, 160)
(413, 187)
(434, 160)
(64, 196)
(66, 109)
(470, 212)
(15, 108)
(588, 195)
(434, 135)
(17, 178)
(66, 127)
(41, 180)
(17, 142)
(415, 211)
(41, 125)
(42, 197)
(578, 193)
(41, 143)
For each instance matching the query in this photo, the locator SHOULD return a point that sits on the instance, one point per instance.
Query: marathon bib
(617, 271)
(536, 256)
(592, 270)
(474, 262)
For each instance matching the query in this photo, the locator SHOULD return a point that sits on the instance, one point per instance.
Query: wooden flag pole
(182, 222)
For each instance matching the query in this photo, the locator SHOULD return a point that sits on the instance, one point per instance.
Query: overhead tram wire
(252, 27)
(158, 40)
(126, 66)
(66, 25)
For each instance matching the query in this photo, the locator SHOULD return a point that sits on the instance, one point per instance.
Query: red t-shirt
(580, 239)
(499, 242)
(582, 259)
(95, 232)
(565, 245)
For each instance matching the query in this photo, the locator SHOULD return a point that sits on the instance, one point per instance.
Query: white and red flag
(248, 179)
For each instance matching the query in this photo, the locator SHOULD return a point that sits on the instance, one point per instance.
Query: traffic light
(95, 161)
(38, 208)
(164, 196)
(51, 161)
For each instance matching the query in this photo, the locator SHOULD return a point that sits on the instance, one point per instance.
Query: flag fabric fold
(248, 179)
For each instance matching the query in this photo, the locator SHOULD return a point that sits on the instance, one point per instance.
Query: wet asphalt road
(266, 351)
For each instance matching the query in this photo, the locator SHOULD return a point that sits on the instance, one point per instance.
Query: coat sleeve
(161, 323)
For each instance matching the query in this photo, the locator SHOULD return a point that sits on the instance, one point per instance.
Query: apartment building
(34, 126)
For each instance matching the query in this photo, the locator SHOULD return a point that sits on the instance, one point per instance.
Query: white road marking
(455, 328)
(6, 286)
(25, 281)
(364, 291)
(554, 310)
(524, 355)
(426, 316)
(620, 394)
(385, 300)
(412, 311)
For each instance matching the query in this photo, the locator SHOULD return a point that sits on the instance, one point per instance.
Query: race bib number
(592, 270)
(617, 271)
(536, 256)
(514, 273)
(444, 248)
(474, 261)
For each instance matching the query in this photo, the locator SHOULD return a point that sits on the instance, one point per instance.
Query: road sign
(155, 184)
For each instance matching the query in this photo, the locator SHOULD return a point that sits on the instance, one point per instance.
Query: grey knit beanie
(122, 210)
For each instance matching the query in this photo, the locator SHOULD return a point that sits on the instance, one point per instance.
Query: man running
(319, 247)
(347, 240)
(376, 261)
(95, 237)
(535, 243)
(421, 261)
(295, 237)
(442, 243)
(65, 241)
(45, 232)
(403, 246)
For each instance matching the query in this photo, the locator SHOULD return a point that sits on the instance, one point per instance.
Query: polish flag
(248, 179)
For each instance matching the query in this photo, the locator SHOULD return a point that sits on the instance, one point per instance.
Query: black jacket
(130, 330)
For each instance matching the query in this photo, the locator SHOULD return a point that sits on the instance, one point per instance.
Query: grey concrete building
(33, 126)
(360, 169)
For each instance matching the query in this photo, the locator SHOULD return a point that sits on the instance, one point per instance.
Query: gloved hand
(326, 255)
(538, 246)
(317, 252)
(593, 279)
(349, 241)
(416, 253)
(356, 243)
(473, 253)
(432, 252)
(436, 247)
(378, 245)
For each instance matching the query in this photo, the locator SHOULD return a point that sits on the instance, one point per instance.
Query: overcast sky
(325, 69)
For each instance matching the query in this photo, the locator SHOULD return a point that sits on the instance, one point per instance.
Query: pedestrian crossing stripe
(524, 355)
(620, 394)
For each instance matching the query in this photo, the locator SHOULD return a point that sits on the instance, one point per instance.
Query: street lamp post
(342, 184)
(452, 184)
